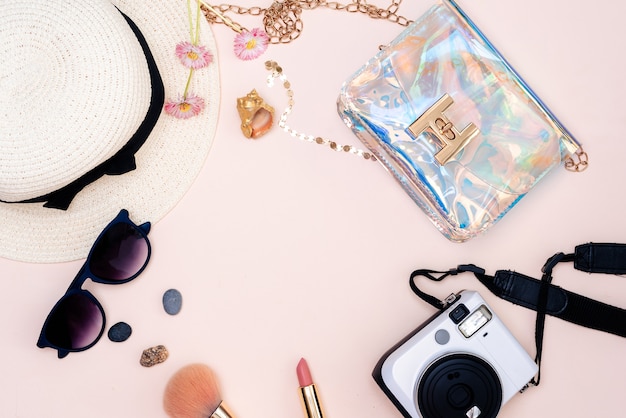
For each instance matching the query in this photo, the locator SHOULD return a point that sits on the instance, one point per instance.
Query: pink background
(283, 249)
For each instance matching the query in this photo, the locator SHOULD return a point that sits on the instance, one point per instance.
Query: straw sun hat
(78, 87)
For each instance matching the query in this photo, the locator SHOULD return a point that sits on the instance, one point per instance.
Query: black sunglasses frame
(85, 272)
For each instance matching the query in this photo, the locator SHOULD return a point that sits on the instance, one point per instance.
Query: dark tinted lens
(120, 253)
(76, 322)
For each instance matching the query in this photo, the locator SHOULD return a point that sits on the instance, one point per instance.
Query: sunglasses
(119, 254)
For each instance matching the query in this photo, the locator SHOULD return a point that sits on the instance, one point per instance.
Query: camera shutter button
(442, 337)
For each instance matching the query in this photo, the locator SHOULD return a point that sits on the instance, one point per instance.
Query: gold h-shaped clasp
(452, 141)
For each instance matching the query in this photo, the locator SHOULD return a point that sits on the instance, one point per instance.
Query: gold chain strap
(282, 20)
(577, 162)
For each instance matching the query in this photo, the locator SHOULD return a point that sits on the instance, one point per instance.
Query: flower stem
(190, 21)
(197, 38)
(188, 83)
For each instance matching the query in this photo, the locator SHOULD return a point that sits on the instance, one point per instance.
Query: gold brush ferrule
(310, 402)
(222, 412)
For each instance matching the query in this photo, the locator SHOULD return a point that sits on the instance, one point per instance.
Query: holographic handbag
(458, 128)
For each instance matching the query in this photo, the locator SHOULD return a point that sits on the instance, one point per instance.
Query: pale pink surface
(304, 373)
(284, 249)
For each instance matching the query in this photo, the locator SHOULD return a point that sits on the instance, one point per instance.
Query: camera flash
(475, 321)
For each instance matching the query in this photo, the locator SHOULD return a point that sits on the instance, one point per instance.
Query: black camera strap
(545, 297)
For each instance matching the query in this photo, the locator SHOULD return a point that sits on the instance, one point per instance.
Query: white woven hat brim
(167, 163)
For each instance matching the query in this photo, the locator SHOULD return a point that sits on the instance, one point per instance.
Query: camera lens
(458, 385)
(459, 313)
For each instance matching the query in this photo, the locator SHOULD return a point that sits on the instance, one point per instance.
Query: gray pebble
(120, 332)
(172, 301)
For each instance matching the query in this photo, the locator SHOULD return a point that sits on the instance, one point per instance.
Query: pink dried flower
(193, 56)
(185, 107)
(251, 44)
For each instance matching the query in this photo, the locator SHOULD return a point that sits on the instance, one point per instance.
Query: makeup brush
(192, 392)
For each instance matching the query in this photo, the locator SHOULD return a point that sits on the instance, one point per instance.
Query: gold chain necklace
(282, 21)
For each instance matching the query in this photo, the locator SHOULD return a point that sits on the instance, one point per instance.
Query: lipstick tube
(310, 401)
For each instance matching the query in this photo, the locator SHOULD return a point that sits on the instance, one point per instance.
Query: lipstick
(310, 401)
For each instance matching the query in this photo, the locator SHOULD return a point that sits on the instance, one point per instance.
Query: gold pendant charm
(451, 140)
(256, 115)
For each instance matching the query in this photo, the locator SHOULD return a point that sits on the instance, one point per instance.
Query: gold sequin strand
(276, 72)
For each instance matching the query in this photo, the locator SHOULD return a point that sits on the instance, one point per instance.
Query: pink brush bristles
(192, 392)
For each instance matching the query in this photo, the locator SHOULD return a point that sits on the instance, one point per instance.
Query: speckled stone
(154, 355)
(120, 332)
(172, 301)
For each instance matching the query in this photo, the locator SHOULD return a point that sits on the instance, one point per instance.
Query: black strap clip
(438, 276)
(551, 262)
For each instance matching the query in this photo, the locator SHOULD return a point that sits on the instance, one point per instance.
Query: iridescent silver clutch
(453, 122)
